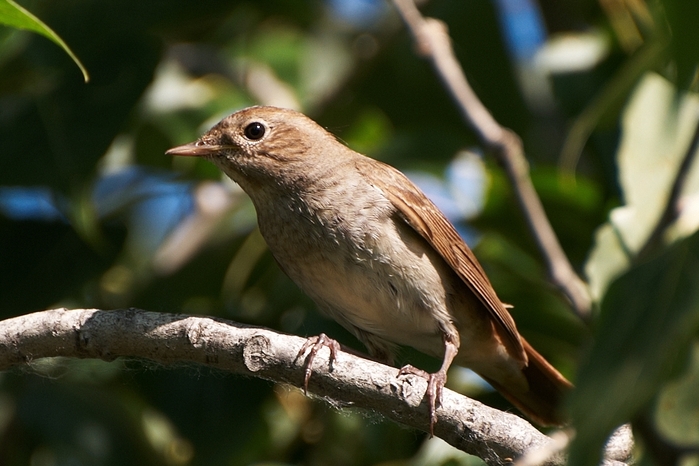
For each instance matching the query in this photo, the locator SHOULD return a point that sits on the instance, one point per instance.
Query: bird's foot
(435, 385)
(315, 344)
(412, 370)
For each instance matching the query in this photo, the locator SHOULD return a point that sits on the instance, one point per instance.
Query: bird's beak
(193, 149)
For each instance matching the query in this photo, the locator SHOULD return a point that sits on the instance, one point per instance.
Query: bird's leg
(315, 344)
(435, 381)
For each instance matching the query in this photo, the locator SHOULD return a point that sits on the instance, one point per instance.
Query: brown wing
(425, 218)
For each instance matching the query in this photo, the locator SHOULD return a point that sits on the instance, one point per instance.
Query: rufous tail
(547, 388)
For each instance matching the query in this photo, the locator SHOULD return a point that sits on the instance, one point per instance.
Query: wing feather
(427, 220)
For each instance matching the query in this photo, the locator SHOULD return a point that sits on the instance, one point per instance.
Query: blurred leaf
(574, 207)
(647, 319)
(608, 259)
(682, 17)
(71, 423)
(54, 269)
(658, 125)
(677, 411)
(368, 132)
(280, 46)
(14, 15)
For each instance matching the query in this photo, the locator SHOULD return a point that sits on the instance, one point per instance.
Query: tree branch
(433, 42)
(495, 436)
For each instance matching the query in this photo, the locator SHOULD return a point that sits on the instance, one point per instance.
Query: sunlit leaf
(13, 15)
(658, 125)
(608, 259)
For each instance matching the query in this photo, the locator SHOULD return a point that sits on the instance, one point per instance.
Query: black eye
(254, 131)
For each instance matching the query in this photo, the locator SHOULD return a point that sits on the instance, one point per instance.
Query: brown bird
(376, 254)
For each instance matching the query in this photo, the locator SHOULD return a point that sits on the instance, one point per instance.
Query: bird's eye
(254, 131)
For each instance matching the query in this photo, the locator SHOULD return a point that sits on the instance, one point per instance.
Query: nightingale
(376, 255)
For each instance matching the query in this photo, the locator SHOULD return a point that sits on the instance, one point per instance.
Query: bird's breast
(363, 266)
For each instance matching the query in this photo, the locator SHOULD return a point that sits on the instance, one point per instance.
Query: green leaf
(658, 125)
(677, 411)
(13, 15)
(647, 320)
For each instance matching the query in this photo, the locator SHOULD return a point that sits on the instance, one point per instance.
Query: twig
(495, 436)
(672, 209)
(433, 42)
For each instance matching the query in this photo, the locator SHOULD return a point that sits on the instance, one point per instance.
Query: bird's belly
(379, 303)
(392, 288)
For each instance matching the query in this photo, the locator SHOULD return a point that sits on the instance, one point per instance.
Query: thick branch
(433, 42)
(493, 435)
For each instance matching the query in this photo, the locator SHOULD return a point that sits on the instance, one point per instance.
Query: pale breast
(363, 266)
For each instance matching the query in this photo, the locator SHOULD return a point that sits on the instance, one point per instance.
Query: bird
(375, 254)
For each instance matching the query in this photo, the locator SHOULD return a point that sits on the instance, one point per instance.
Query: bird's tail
(541, 400)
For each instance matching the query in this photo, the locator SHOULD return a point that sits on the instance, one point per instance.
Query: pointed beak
(193, 149)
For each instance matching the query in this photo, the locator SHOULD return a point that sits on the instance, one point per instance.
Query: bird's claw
(412, 370)
(435, 385)
(315, 344)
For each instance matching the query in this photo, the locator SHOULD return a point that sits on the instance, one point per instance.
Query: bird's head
(262, 145)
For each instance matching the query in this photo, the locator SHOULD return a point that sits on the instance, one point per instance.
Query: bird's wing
(427, 220)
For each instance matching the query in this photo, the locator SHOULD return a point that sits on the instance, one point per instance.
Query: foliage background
(92, 214)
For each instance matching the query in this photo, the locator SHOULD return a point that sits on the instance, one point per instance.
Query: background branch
(434, 43)
(495, 436)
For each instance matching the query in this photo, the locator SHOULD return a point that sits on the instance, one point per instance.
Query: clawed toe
(315, 344)
(412, 370)
(435, 385)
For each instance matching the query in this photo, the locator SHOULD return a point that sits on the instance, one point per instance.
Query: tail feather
(546, 389)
